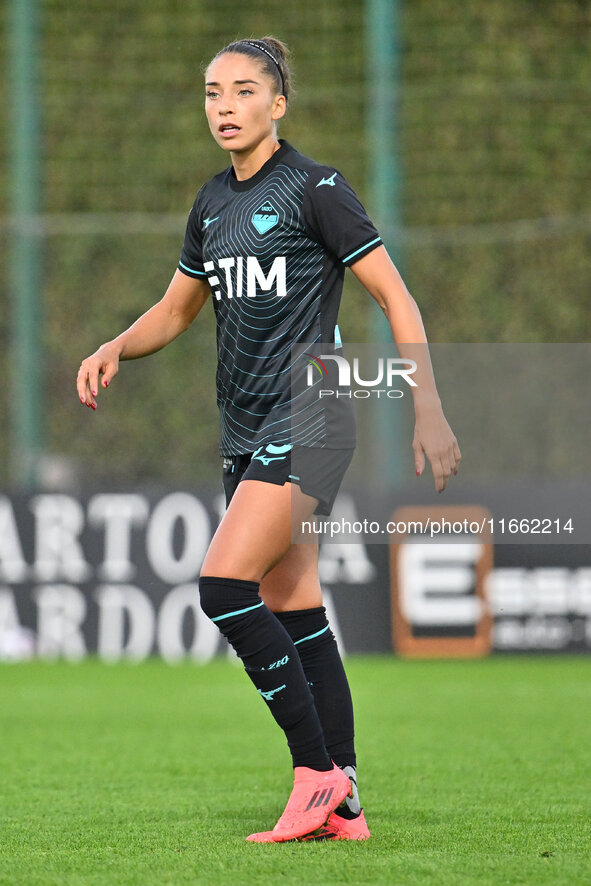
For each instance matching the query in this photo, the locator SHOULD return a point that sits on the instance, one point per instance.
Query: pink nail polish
(418, 473)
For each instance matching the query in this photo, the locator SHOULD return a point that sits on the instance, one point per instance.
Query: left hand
(434, 438)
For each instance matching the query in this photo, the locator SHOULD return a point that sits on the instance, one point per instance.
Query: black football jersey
(274, 249)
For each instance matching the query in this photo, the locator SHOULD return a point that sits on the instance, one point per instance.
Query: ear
(279, 107)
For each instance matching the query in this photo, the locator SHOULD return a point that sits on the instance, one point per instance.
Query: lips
(228, 129)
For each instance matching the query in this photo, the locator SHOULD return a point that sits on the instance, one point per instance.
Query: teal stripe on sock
(311, 637)
(238, 611)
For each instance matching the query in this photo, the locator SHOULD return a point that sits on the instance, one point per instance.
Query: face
(241, 104)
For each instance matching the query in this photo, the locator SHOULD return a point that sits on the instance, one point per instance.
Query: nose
(225, 107)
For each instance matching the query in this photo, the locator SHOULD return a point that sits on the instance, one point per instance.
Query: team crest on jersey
(265, 217)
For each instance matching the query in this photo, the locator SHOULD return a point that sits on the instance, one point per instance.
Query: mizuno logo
(268, 696)
(328, 181)
(209, 221)
(320, 798)
(271, 452)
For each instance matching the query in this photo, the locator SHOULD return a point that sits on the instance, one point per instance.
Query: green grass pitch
(470, 773)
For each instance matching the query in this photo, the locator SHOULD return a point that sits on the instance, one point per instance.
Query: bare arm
(433, 437)
(162, 323)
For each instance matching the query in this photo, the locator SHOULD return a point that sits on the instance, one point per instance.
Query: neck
(247, 163)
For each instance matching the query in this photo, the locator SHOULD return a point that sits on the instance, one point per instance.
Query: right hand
(101, 367)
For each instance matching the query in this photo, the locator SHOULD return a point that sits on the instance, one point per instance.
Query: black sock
(323, 667)
(271, 661)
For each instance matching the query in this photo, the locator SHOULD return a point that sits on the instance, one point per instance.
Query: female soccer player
(268, 241)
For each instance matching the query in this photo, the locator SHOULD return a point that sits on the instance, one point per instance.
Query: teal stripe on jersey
(311, 636)
(238, 611)
(191, 271)
(361, 248)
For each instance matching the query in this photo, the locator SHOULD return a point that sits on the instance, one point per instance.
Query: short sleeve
(191, 260)
(335, 216)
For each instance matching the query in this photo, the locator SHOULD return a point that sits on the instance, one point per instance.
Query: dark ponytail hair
(271, 54)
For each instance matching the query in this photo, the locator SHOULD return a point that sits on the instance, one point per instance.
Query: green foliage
(492, 129)
(494, 99)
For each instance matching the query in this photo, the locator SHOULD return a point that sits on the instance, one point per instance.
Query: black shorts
(318, 472)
